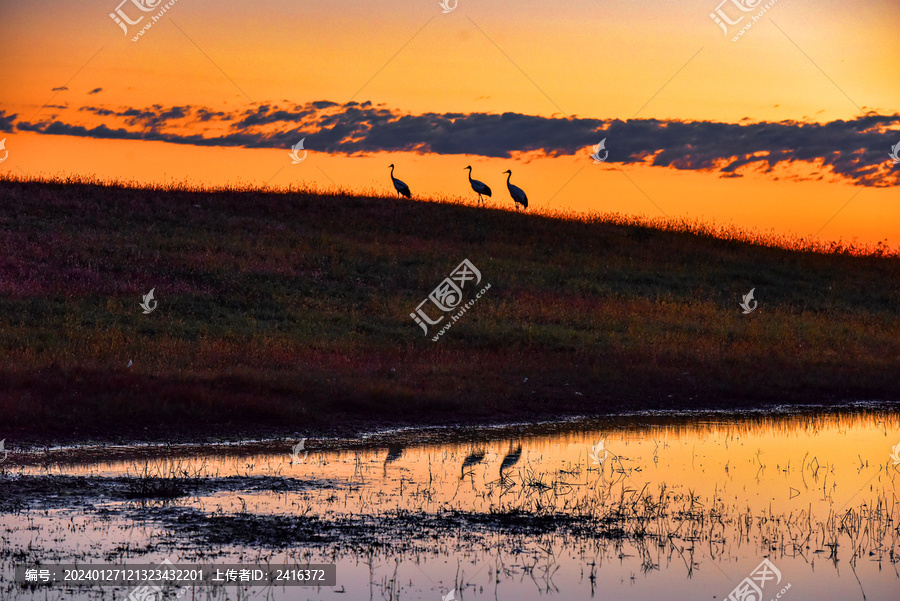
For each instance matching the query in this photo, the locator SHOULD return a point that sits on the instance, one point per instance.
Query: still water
(646, 508)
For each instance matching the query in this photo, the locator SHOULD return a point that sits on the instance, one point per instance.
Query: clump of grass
(156, 481)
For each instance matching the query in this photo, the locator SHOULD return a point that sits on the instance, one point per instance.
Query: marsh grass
(161, 480)
(290, 310)
(654, 524)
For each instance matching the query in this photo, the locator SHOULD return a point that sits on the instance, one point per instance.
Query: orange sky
(802, 62)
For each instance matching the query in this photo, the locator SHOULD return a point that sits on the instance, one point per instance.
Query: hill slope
(292, 312)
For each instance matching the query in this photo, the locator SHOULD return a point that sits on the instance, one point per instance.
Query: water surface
(642, 508)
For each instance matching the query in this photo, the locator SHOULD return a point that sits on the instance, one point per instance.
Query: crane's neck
(470, 174)
(508, 175)
(392, 172)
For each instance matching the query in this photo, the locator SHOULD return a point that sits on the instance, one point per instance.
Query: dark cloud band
(854, 149)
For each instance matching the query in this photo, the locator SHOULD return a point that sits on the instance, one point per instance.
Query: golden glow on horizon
(599, 60)
(754, 202)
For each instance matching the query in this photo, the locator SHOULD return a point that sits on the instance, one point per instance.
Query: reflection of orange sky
(600, 60)
(781, 464)
(788, 489)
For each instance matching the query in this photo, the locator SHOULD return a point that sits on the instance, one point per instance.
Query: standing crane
(517, 193)
(479, 187)
(402, 189)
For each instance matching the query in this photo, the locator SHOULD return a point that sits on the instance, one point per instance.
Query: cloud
(95, 91)
(207, 115)
(97, 111)
(59, 89)
(853, 149)
(57, 128)
(6, 121)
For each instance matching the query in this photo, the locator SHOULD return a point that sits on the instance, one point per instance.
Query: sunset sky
(788, 129)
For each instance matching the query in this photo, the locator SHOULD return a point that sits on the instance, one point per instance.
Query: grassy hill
(291, 312)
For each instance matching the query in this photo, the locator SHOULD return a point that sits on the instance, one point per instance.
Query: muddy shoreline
(30, 448)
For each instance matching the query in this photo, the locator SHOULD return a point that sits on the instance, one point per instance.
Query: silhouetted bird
(479, 187)
(518, 195)
(395, 451)
(470, 460)
(402, 189)
(512, 457)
